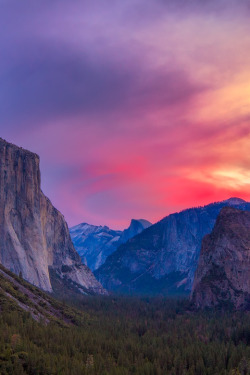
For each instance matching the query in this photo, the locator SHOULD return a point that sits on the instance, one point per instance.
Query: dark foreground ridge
(18, 295)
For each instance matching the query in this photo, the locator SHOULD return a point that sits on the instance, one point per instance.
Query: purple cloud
(127, 102)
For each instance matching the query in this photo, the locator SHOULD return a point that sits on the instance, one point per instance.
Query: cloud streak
(137, 108)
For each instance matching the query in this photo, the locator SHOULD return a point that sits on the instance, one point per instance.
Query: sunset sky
(137, 108)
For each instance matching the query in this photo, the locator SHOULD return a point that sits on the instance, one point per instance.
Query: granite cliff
(135, 227)
(34, 236)
(164, 257)
(95, 243)
(223, 273)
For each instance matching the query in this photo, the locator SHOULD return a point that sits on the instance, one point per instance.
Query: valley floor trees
(123, 336)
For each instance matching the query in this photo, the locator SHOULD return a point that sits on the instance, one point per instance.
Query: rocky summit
(95, 243)
(35, 239)
(164, 257)
(223, 274)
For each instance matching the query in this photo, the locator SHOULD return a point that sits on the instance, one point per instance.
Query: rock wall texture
(223, 273)
(34, 235)
(95, 243)
(164, 257)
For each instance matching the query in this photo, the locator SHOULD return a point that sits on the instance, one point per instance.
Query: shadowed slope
(223, 273)
(164, 257)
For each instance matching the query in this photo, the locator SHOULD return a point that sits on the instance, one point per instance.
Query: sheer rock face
(164, 257)
(95, 243)
(34, 235)
(135, 227)
(223, 273)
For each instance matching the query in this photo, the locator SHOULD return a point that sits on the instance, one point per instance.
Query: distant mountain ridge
(223, 273)
(95, 243)
(35, 239)
(164, 257)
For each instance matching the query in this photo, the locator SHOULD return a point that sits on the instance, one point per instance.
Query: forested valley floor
(121, 336)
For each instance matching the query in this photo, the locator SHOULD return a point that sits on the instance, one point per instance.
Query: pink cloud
(133, 116)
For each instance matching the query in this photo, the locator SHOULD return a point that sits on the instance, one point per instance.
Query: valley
(117, 336)
(151, 306)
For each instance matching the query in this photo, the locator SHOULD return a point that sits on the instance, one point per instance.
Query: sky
(137, 108)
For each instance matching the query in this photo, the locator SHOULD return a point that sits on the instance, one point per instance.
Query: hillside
(115, 336)
(223, 274)
(95, 243)
(18, 295)
(163, 258)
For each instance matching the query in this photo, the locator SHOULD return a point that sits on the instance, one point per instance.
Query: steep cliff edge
(223, 273)
(95, 243)
(163, 258)
(135, 227)
(34, 235)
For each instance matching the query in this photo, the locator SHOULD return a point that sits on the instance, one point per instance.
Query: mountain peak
(163, 258)
(95, 243)
(143, 222)
(235, 200)
(21, 150)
